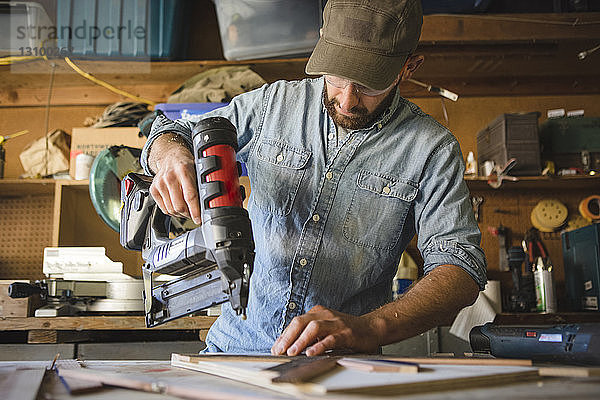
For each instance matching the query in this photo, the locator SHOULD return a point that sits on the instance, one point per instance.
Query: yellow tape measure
(589, 208)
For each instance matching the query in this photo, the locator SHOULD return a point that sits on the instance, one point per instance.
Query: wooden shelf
(102, 328)
(33, 187)
(473, 55)
(26, 187)
(538, 183)
(547, 319)
(100, 323)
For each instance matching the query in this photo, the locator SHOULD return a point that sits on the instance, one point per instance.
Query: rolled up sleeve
(447, 230)
(162, 125)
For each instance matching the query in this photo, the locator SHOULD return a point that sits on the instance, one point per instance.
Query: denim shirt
(332, 218)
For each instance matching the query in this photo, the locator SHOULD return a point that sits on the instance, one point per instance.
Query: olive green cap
(366, 41)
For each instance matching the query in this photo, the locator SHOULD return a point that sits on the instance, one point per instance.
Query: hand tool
(213, 262)
(476, 202)
(501, 173)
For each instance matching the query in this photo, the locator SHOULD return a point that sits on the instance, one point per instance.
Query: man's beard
(361, 118)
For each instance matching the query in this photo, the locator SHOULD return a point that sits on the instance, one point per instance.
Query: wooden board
(101, 323)
(572, 372)
(343, 380)
(21, 384)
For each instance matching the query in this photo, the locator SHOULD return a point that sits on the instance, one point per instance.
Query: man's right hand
(174, 184)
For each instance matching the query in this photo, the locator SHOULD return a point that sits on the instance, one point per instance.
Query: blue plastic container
(134, 29)
(189, 111)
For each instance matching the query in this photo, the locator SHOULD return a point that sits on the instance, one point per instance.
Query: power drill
(213, 262)
(564, 343)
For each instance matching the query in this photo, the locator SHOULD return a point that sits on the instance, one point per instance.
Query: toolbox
(581, 256)
(564, 140)
(511, 136)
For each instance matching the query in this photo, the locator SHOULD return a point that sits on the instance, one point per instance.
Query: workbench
(213, 387)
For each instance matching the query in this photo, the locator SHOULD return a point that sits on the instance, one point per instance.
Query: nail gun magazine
(211, 264)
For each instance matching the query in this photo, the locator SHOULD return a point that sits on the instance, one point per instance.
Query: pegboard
(512, 209)
(25, 229)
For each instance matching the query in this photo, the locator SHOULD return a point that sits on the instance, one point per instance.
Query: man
(343, 172)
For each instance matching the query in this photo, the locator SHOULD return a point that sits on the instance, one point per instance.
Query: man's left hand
(322, 329)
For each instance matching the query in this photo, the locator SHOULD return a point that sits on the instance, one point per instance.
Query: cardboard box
(93, 140)
(17, 307)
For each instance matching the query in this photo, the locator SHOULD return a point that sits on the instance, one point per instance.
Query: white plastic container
(25, 29)
(268, 28)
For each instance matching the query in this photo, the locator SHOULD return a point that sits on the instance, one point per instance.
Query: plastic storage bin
(189, 111)
(268, 28)
(24, 24)
(138, 29)
(511, 136)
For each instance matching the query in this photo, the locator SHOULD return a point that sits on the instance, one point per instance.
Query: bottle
(471, 168)
(544, 287)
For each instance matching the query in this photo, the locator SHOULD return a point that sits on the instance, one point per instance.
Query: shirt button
(316, 218)
(291, 305)
(387, 190)
(280, 158)
(303, 262)
(331, 136)
(379, 126)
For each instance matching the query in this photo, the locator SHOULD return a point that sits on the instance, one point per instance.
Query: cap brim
(374, 71)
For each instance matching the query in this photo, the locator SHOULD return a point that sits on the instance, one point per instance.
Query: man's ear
(412, 64)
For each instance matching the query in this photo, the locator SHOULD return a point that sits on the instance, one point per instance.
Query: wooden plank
(547, 319)
(571, 372)
(538, 183)
(74, 385)
(86, 94)
(464, 361)
(42, 336)
(145, 384)
(10, 307)
(465, 86)
(26, 187)
(101, 323)
(503, 27)
(343, 380)
(23, 384)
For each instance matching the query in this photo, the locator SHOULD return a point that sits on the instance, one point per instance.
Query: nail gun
(212, 263)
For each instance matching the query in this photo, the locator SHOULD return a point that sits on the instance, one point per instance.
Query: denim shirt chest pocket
(280, 168)
(378, 209)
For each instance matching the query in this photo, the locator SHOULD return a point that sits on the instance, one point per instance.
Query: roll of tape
(548, 215)
(576, 222)
(589, 208)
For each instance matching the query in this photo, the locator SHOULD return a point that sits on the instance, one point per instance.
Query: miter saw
(213, 262)
(83, 280)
